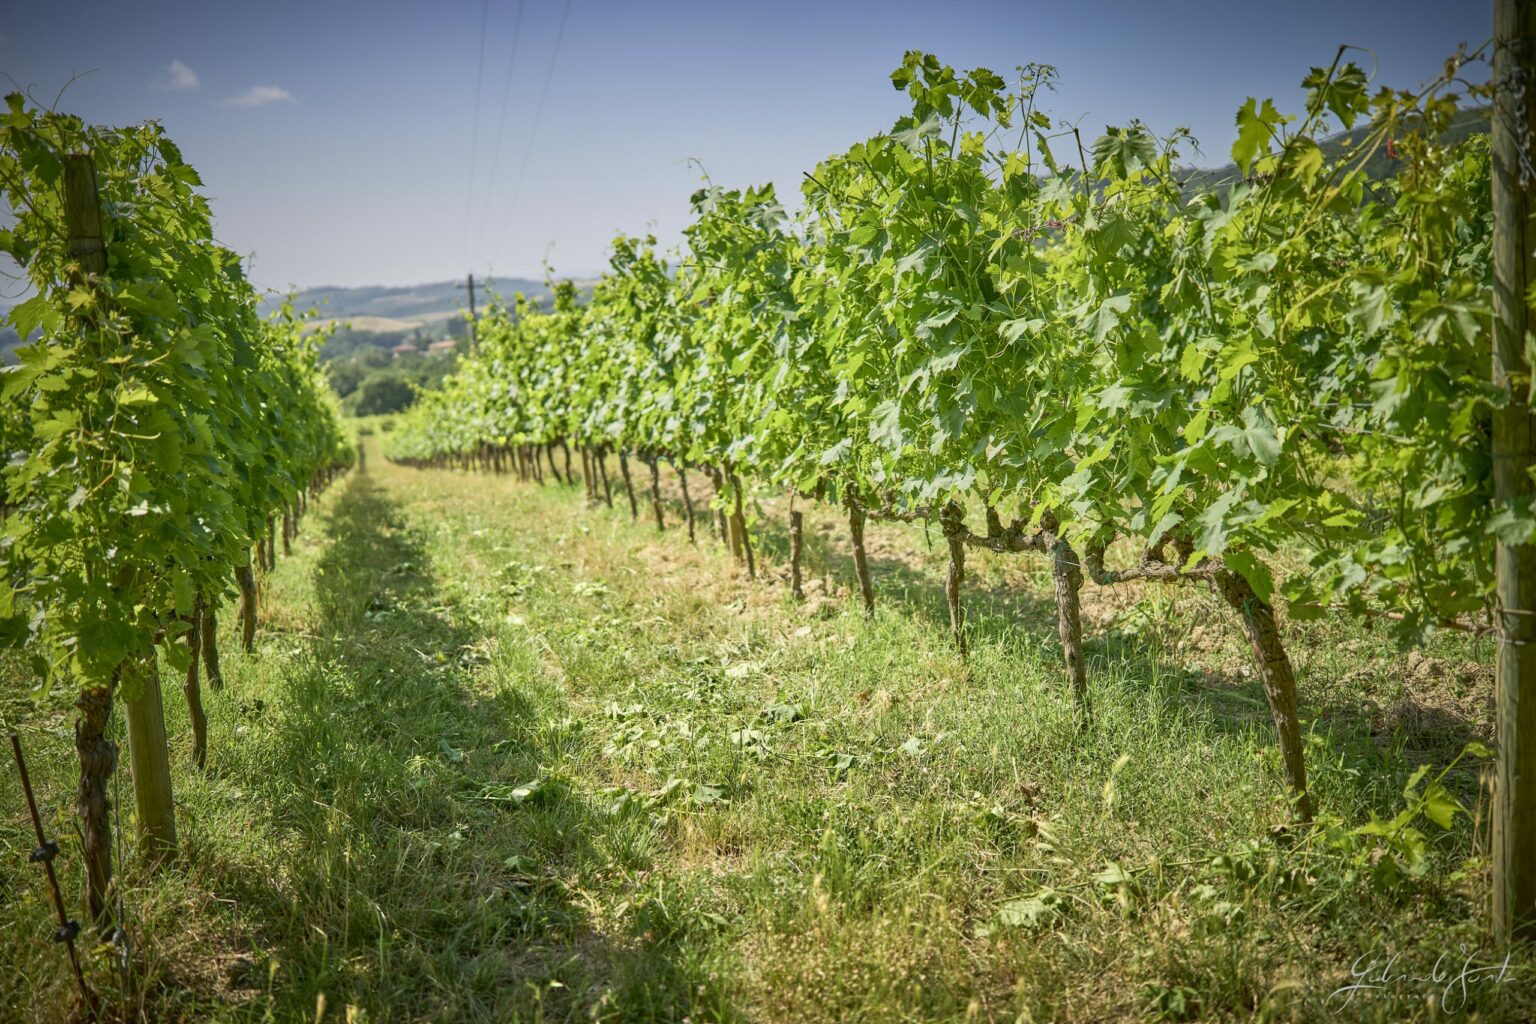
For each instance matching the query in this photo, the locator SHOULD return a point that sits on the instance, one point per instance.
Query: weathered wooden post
(98, 755)
(1514, 439)
(141, 686)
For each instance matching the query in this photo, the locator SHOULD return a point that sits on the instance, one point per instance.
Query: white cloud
(178, 76)
(260, 96)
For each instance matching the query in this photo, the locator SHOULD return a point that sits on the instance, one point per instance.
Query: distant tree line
(372, 379)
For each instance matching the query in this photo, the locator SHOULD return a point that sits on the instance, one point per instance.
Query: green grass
(499, 757)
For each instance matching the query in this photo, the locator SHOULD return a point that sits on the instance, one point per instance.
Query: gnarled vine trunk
(1068, 578)
(98, 758)
(952, 519)
(245, 579)
(192, 689)
(796, 547)
(602, 466)
(210, 652)
(682, 479)
(856, 519)
(1278, 677)
(656, 491)
(722, 522)
(629, 486)
(739, 525)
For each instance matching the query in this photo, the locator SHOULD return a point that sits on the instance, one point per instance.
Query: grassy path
(502, 758)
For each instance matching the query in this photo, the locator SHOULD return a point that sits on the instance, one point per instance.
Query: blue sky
(335, 137)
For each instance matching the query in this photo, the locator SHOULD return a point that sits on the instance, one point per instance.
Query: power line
(474, 128)
(538, 114)
(501, 124)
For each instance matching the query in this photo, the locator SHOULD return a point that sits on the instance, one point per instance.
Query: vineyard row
(159, 435)
(1274, 385)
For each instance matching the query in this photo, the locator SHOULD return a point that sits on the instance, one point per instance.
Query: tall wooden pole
(1514, 451)
(151, 760)
(86, 247)
(469, 283)
(147, 748)
(82, 214)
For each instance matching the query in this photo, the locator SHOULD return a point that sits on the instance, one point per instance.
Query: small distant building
(446, 345)
(405, 348)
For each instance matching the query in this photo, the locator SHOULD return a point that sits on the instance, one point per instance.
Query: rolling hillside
(1466, 124)
(383, 309)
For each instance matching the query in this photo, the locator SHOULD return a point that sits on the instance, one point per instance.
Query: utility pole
(1514, 453)
(469, 283)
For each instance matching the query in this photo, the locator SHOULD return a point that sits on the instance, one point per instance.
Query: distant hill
(380, 317)
(1468, 122)
(375, 316)
(377, 308)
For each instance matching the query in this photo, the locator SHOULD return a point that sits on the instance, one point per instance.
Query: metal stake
(47, 849)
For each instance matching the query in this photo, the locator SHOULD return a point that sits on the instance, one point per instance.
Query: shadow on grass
(1129, 659)
(421, 865)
